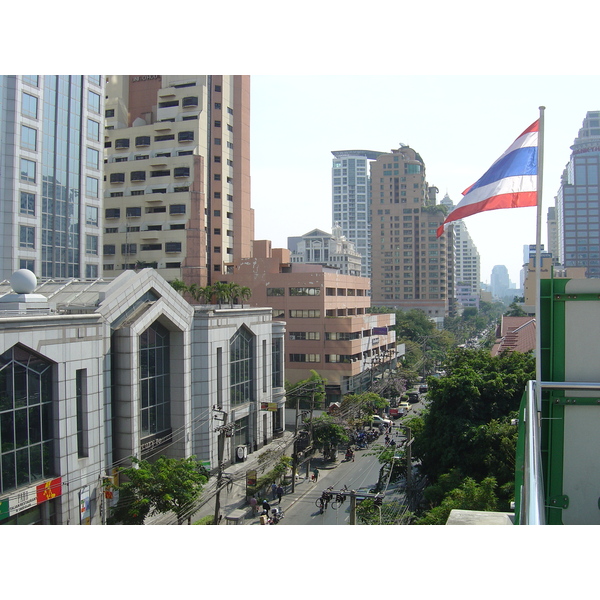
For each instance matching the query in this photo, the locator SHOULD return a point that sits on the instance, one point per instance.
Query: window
(92, 158)
(112, 213)
(117, 177)
(31, 80)
(25, 419)
(305, 335)
(181, 172)
(189, 101)
(28, 138)
(305, 314)
(164, 138)
(161, 173)
(91, 245)
(185, 136)
(133, 211)
(142, 140)
(177, 209)
(173, 247)
(91, 215)
(93, 130)
(312, 358)
(91, 271)
(26, 236)
(305, 291)
(109, 112)
(168, 104)
(29, 106)
(91, 187)
(138, 175)
(241, 360)
(28, 168)
(93, 101)
(146, 247)
(108, 250)
(155, 381)
(27, 203)
(122, 143)
(128, 248)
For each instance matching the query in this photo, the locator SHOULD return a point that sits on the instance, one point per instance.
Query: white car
(377, 420)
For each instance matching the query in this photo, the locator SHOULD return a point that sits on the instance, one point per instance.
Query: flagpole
(538, 260)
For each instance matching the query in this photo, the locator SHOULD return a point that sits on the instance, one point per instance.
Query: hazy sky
(459, 124)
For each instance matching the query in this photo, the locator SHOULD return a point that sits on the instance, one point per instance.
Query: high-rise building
(410, 266)
(578, 201)
(51, 174)
(177, 192)
(500, 281)
(351, 199)
(552, 232)
(467, 263)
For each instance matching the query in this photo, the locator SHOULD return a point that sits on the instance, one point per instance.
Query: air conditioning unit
(241, 453)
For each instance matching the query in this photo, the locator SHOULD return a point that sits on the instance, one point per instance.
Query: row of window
(136, 211)
(314, 291)
(142, 141)
(141, 175)
(27, 240)
(170, 247)
(329, 358)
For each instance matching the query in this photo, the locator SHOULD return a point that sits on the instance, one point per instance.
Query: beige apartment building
(410, 267)
(328, 327)
(177, 175)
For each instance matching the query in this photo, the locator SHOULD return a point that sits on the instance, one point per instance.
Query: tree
(221, 292)
(327, 435)
(179, 286)
(362, 406)
(477, 389)
(168, 484)
(470, 495)
(308, 393)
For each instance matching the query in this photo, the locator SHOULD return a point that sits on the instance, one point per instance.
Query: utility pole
(223, 430)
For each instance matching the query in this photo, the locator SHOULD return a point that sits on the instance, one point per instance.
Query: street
(360, 475)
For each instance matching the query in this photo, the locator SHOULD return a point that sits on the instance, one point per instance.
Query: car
(423, 388)
(377, 420)
(413, 397)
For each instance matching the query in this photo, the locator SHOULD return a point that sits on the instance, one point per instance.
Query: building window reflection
(26, 440)
(155, 380)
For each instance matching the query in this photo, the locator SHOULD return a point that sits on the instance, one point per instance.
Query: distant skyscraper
(51, 174)
(351, 199)
(177, 192)
(552, 232)
(578, 201)
(467, 262)
(500, 282)
(411, 267)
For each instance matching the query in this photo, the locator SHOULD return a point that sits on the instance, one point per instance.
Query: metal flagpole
(538, 260)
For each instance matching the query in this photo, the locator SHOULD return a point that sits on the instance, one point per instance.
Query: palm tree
(233, 292)
(245, 293)
(221, 291)
(205, 294)
(179, 286)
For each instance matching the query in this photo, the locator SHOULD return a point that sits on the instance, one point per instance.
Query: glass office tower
(51, 130)
(578, 203)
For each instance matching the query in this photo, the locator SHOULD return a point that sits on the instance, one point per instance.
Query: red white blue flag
(511, 182)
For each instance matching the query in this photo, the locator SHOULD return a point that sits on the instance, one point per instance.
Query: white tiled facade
(116, 390)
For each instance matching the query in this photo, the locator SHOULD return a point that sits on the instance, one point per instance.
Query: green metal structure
(566, 413)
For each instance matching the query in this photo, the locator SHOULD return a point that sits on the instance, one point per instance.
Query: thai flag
(511, 182)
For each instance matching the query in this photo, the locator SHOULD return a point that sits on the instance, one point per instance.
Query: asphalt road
(360, 475)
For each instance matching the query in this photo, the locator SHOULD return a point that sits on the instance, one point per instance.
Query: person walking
(279, 493)
(274, 490)
(315, 474)
(253, 504)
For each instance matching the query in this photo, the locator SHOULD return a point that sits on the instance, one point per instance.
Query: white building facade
(93, 374)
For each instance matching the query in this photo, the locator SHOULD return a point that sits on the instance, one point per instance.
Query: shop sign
(30, 497)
